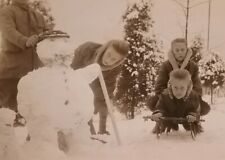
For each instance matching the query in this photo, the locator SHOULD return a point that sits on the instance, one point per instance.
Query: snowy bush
(138, 75)
(212, 70)
(197, 47)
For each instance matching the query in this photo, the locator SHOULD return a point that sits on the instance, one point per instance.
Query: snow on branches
(139, 72)
(212, 70)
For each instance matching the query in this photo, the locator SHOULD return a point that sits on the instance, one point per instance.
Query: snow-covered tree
(197, 46)
(39, 5)
(43, 7)
(212, 71)
(138, 74)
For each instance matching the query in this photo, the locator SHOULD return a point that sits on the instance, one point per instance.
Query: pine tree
(212, 71)
(138, 74)
(197, 47)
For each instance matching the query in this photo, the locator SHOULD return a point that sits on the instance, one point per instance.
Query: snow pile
(8, 145)
(7, 116)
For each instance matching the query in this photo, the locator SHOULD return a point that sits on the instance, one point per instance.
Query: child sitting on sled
(175, 101)
(178, 57)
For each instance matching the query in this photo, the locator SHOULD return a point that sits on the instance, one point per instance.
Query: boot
(92, 128)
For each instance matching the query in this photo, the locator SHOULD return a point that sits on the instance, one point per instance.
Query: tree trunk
(211, 94)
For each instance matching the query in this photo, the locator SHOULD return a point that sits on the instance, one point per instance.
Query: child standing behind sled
(174, 102)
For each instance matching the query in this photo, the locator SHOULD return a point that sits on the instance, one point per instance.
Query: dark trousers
(8, 93)
(101, 108)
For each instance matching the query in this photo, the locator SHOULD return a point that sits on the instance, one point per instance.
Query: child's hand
(191, 118)
(32, 41)
(156, 117)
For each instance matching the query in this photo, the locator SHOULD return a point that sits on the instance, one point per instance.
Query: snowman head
(55, 52)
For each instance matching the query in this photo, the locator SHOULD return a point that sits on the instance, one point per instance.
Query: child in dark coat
(109, 56)
(178, 57)
(174, 102)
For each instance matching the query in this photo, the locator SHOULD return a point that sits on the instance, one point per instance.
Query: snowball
(61, 95)
(48, 48)
(55, 51)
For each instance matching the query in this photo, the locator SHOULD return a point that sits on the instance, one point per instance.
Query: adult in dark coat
(103, 54)
(19, 27)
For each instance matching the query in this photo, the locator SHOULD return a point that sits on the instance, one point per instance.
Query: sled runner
(165, 124)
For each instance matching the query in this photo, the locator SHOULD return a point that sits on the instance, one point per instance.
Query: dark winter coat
(163, 77)
(17, 25)
(89, 53)
(172, 107)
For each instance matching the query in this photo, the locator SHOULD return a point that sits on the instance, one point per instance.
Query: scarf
(183, 64)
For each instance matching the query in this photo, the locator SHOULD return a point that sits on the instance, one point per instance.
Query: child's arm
(197, 86)
(160, 107)
(193, 110)
(162, 79)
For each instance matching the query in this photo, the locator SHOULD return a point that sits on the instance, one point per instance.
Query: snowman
(56, 102)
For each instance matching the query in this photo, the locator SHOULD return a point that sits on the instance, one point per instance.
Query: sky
(100, 20)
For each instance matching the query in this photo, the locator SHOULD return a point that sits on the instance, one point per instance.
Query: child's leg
(103, 113)
(101, 108)
(205, 108)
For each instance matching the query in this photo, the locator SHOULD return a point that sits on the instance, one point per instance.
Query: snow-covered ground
(137, 140)
(139, 143)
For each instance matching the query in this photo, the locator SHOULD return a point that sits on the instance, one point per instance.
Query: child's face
(179, 88)
(179, 50)
(111, 56)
